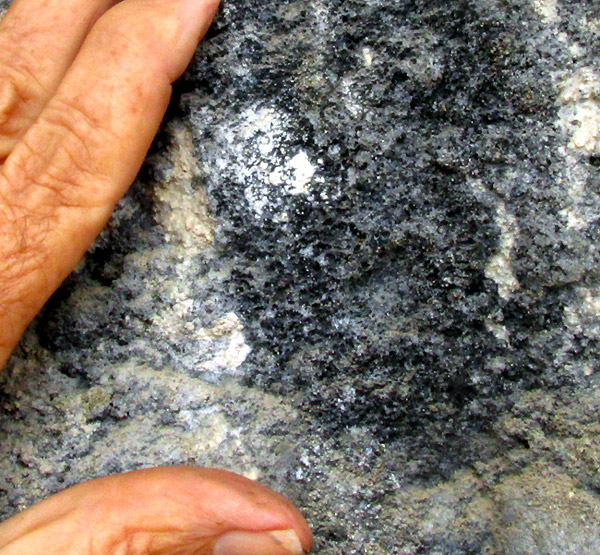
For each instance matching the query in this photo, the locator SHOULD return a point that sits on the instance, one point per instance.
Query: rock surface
(359, 264)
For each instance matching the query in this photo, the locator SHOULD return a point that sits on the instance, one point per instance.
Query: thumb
(175, 510)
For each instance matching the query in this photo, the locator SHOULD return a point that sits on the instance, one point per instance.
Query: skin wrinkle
(82, 128)
(26, 40)
(69, 190)
(61, 107)
(22, 247)
(60, 169)
(17, 303)
(19, 65)
(22, 240)
(156, 541)
(63, 128)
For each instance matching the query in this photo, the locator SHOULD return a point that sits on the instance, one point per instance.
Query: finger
(161, 510)
(38, 42)
(59, 184)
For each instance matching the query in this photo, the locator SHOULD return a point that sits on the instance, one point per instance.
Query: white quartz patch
(235, 350)
(259, 152)
(591, 300)
(173, 320)
(499, 267)
(579, 115)
(303, 170)
(499, 331)
(548, 10)
(579, 118)
(574, 179)
(181, 205)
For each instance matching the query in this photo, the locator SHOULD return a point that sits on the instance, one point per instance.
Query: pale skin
(84, 85)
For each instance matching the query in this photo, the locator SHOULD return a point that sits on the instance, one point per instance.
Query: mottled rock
(360, 264)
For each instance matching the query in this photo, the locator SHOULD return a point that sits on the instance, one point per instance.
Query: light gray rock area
(359, 264)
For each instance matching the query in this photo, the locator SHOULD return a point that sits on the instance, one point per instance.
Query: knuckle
(19, 85)
(70, 121)
(9, 100)
(11, 124)
(16, 109)
(21, 92)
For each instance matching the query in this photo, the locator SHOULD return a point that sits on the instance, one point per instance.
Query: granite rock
(360, 264)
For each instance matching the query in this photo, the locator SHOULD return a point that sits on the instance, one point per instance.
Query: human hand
(83, 87)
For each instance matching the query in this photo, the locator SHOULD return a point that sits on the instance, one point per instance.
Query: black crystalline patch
(366, 294)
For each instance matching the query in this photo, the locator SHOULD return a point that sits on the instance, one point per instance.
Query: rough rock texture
(360, 264)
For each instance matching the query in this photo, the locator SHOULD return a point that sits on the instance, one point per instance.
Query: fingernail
(276, 542)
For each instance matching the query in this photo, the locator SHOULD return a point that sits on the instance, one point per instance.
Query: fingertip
(283, 521)
(245, 505)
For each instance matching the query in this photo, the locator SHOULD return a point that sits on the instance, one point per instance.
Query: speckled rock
(359, 264)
